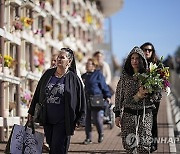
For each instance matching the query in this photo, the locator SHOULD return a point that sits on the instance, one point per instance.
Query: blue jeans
(97, 117)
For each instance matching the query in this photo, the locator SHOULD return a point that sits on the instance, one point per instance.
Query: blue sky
(139, 21)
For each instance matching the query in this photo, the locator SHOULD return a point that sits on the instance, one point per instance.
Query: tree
(177, 52)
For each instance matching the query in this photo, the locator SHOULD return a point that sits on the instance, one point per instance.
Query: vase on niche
(11, 71)
(23, 110)
(6, 71)
(6, 113)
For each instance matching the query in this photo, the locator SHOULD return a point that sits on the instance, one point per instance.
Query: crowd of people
(70, 100)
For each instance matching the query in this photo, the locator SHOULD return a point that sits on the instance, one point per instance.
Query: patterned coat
(127, 87)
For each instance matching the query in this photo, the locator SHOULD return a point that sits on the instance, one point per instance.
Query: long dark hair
(154, 58)
(128, 67)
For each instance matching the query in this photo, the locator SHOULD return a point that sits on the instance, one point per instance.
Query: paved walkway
(112, 141)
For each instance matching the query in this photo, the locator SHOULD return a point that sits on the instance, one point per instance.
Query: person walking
(65, 104)
(103, 66)
(133, 108)
(53, 60)
(95, 85)
(106, 71)
(151, 57)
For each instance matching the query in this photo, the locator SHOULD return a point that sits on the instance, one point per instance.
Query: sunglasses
(150, 50)
(67, 50)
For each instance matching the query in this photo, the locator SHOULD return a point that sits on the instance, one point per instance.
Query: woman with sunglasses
(64, 103)
(150, 54)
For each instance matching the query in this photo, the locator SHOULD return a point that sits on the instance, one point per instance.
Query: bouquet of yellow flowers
(156, 78)
(8, 60)
(26, 21)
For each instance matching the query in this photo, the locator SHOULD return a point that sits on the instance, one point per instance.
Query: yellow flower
(26, 21)
(166, 73)
(88, 18)
(8, 60)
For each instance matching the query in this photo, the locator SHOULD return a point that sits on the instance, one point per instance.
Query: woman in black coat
(64, 103)
(150, 54)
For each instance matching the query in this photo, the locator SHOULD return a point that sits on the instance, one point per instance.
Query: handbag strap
(30, 124)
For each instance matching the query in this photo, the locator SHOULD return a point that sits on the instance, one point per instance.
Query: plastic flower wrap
(156, 78)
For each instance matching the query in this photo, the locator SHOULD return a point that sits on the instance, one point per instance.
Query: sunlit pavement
(112, 140)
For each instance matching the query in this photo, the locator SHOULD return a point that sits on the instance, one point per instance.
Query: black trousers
(154, 127)
(56, 138)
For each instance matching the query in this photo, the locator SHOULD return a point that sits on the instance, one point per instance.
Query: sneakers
(100, 138)
(87, 141)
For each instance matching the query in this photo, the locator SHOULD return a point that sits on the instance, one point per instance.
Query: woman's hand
(118, 121)
(108, 100)
(142, 92)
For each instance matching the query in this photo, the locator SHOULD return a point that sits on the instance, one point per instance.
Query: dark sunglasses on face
(149, 50)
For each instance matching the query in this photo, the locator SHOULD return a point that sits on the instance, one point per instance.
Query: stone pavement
(112, 141)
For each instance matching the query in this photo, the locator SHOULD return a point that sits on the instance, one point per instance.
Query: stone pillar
(2, 83)
(18, 57)
(17, 73)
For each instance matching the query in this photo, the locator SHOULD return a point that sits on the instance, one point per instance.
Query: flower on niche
(27, 21)
(17, 23)
(48, 28)
(39, 60)
(88, 17)
(8, 61)
(26, 96)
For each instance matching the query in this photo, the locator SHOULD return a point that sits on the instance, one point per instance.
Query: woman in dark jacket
(64, 103)
(150, 54)
(95, 84)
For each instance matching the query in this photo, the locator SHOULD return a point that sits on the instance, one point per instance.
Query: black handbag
(96, 101)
